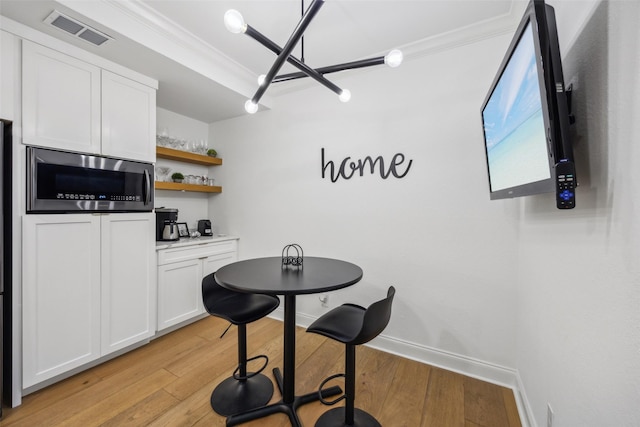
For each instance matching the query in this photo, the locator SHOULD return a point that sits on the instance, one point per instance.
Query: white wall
(433, 234)
(516, 283)
(191, 206)
(579, 277)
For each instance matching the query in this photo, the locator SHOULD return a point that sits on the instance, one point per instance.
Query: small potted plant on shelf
(177, 177)
(211, 152)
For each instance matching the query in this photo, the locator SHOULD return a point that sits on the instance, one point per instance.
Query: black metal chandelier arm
(332, 69)
(288, 47)
(306, 71)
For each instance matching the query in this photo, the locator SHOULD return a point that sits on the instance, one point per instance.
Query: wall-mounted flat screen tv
(525, 115)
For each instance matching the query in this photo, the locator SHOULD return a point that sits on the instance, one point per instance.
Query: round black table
(267, 275)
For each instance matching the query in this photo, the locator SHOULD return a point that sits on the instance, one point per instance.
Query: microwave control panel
(113, 198)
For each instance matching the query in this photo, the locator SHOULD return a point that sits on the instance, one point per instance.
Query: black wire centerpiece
(234, 22)
(292, 256)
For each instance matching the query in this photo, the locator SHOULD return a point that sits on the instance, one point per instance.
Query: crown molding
(24, 32)
(142, 24)
(489, 28)
(474, 33)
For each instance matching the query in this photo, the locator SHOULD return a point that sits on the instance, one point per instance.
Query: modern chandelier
(234, 22)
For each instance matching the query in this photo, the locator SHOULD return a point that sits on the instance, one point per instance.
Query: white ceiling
(217, 72)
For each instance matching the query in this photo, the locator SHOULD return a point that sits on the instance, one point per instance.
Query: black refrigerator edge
(5, 260)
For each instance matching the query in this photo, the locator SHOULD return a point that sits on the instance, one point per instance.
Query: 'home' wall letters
(348, 168)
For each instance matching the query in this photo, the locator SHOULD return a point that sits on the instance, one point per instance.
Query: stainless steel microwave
(61, 181)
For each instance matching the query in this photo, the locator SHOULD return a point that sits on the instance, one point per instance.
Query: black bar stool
(242, 391)
(352, 325)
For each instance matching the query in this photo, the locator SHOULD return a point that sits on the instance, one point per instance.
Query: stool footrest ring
(251, 374)
(330, 402)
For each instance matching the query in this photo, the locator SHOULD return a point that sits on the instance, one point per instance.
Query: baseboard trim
(469, 366)
(524, 408)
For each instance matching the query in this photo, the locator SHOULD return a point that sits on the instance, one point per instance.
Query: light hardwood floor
(169, 382)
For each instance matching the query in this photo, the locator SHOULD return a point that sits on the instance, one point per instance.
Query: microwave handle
(32, 177)
(147, 187)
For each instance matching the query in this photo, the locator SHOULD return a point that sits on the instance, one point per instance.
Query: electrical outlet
(549, 415)
(324, 300)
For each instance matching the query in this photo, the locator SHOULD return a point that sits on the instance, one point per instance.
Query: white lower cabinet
(180, 273)
(88, 289)
(60, 294)
(179, 298)
(128, 273)
(212, 263)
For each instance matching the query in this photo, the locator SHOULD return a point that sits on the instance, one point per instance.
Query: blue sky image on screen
(513, 123)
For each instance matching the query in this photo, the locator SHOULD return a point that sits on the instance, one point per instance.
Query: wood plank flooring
(169, 382)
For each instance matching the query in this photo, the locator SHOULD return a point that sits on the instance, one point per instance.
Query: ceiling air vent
(76, 28)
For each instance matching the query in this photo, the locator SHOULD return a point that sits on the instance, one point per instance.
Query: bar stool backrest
(376, 318)
(214, 295)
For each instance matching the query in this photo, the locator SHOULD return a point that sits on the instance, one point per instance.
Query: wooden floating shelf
(175, 186)
(185, 156)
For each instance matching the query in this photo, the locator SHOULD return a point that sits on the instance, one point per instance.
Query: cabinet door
(128, 279)
(60, 100)
(179, 292)
(60, 294)
(128, 118)
(212, 263)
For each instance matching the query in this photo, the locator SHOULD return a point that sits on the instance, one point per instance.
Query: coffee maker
(204, 227)
(169, 217)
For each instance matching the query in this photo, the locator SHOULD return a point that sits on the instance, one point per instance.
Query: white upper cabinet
(60, 100)
(69, 104)
(128, 118)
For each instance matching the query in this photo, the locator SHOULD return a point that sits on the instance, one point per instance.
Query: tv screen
(522, 113)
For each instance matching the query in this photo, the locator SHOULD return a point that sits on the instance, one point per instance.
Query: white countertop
(187, 241)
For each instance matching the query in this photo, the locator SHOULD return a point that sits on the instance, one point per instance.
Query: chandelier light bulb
(250, 107)
(234, 21)
(345, 95)
(394, 58)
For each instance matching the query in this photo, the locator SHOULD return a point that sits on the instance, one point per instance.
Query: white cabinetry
(60, 100)
(180, 273)
(179, 298)
(128, 274)
(128, 118)
(87, 288)
(72, 105)
(60, 294)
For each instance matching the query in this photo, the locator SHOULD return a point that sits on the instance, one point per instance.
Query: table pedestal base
(288, 408)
